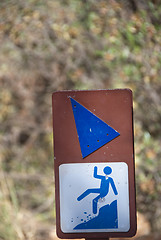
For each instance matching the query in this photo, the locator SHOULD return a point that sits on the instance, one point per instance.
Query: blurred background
(72, 44)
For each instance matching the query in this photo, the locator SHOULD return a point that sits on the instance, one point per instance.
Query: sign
(94, 198)
(94, 164)
(93, 133)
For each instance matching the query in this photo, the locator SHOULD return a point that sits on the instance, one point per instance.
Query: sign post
(94, 164)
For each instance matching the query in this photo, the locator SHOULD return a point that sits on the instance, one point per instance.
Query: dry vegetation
(70, 44)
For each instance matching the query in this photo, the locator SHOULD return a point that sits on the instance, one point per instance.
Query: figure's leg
(95, 201)
(87, 192)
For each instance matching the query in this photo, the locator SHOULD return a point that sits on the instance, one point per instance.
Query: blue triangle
(93, 133)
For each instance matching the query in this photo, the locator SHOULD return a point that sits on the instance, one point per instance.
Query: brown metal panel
(115, 107)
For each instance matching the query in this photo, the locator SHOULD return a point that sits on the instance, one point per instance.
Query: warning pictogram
(94, 197)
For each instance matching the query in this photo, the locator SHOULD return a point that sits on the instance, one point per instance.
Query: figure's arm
(96, 175)
(113, 186)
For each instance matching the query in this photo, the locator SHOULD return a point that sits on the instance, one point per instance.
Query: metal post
(97, 239)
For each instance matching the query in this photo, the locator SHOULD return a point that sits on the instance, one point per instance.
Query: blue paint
(106, 181)
(106, 219)
(93, 133)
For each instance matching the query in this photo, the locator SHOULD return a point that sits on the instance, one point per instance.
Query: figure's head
(107, 170)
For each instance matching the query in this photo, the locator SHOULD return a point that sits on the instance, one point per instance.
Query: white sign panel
(94, 197)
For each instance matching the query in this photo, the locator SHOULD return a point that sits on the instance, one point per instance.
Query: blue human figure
(104, 187)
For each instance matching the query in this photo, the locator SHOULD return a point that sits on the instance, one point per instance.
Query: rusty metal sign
(94, 164)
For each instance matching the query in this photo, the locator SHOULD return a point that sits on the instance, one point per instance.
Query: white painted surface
(74, 179)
